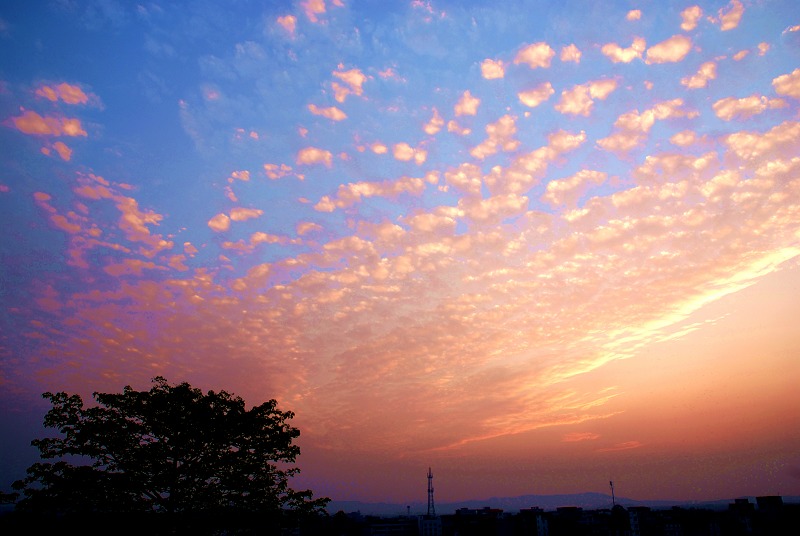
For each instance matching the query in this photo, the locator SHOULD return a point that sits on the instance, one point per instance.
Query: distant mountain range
(587, 501)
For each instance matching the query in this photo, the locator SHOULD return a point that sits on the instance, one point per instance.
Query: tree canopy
(170, 449)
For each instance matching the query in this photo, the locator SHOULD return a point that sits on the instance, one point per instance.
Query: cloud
(453, 126)
(313, 8)
(404, 152)
(288, 23)
(568, 190)
(535, 55)
(580, 99)
(534, 97)
(349, 194)
(632, 127)
(729, 19)
(242, 175)
(492, 69)
(684, 138)
(333, 113)
(732, 108)
(68, 93)
(574, 437)
(689, 17)
(570, 53)
(275, 171)
(32, 123)
(63, 151)
(305, 227)
(788, 84)
(669, 51)
(627, 445)
(354, 80)
(618, 54)
(243, 214)
(500, 137)
(435, 124)
(313, 155)
(706, 72)
(219, 223)
(634, 14)
(467, 104)
(379, 148)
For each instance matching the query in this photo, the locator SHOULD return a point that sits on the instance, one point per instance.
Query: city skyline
(536, 247)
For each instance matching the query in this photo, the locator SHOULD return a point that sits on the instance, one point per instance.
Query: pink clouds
(732, 108)
(333, 113)
(467, 104)
(729, 18)
(534, 97)
(573, 437)
(404, 152)
(244, 214)
(288, 23)
(788, 84)
(706, 72)
(349, 194)
(32, 123)
(313, 155)
(492, 69)
(570, 53)
(634, 14)
(568, 190)
(689, 17)
(580, 99)
(632, 127)
(618, 54)
(219, 223)
(67, 93)
(353, 81)
(313, 8)
(535, 55)
(435, 124)
(500, 137)
(671, 50)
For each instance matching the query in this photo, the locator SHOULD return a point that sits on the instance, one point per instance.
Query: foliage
(170, 449)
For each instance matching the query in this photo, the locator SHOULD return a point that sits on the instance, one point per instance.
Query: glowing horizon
(558, 243)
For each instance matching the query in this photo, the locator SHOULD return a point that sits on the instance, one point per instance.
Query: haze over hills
(587, 501)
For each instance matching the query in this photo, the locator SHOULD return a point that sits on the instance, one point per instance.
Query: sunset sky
(534, 245)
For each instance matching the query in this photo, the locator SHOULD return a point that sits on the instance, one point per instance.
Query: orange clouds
(243, 214)
(570, 53)
(313, 155)
(689, 17)
(632, 127)
(404, 152)
(435, 124)
(579, 99)
(669, 51)
(706, 72)
(492, 69)
(535, 55)
(618, 54)
(333, 113)
(500, 137)
(288, 23)
(534, 97)
(353, 81)
(32, 123)
(67, 93)
(219, 223)
(732, 108)
(634, 14)
(788, 84)
(729, 18)
(467, 104)
(352, 193)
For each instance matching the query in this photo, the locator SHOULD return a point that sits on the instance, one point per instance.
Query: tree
(170, 449)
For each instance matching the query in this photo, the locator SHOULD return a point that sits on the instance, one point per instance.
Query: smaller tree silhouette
(170, 449)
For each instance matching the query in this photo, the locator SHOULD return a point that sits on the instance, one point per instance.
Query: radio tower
(431, 506)
(613, 500)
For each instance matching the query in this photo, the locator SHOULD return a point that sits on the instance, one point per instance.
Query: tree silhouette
(170, 449)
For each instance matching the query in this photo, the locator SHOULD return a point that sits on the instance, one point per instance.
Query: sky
(536, 246)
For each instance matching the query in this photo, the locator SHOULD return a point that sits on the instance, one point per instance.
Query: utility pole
(431, 506)
(613, 500)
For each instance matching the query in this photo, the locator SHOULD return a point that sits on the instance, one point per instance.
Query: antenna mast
(613, 500)
(431, 507)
